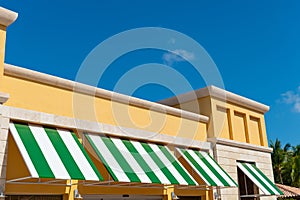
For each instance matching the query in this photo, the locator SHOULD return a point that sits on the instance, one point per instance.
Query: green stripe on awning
(224, 172)
(199, 169)
(213, 170)
(259, 179)
(99, 154)
(53, 153)
(160, 164)
(207, 168)
(176, 164)
(133, 161)
(40, 163)
(64, 154)
(141, 161)
(87, 157)
(268, 180)
(121, 160)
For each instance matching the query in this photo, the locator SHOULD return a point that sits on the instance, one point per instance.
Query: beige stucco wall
(230, 120)
(227, 157)
(235, 122)
(4, 125)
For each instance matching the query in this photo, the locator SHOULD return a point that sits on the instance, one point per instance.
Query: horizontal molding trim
(29, 116)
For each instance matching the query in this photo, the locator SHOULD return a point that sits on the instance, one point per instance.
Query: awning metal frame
(202, 187)
(121, 184)
(109, 184)
(39, 181)
(257, 195)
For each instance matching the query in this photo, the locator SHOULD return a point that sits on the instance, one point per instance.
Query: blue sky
(254, 44)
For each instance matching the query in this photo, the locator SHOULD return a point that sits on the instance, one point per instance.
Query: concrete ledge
(219, 93)
(7, 17)
(54, 81)
(3, 97)
(30, 116)
(239, 145)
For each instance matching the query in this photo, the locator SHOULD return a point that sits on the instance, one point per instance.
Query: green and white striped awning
(132, 161)
(53, 153)
(207, 168)
(259, 179)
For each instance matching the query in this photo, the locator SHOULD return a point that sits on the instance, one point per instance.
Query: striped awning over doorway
(207, 168)
(133, 161)
(53, 153)
(259, 179)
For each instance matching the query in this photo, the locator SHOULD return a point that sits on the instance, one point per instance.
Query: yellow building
(65, 140)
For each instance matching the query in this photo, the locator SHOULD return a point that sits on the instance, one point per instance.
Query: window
(247, 188)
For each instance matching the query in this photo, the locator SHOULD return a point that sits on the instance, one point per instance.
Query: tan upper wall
(231, 116)
(44, 93)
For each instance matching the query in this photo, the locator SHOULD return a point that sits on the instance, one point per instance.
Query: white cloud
(293, 98)
(172, 41)
(178, 55)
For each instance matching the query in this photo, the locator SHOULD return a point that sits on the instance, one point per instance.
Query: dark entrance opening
(246, 187)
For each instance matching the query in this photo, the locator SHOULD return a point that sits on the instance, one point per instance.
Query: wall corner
(7, 17)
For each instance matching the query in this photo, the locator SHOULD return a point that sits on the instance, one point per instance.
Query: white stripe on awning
(81, 161)
(167, 162)
(23, 151)
(107, 155)
(160, 175)
(218, 168)
(206, 168)
(52, 153)
(49, 152)
(132, 161)
(259, 179)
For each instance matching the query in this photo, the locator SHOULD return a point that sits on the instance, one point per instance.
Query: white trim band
(30, 116)
(7, 17)
(219, 93)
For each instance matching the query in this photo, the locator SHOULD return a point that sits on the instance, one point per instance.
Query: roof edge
(242, 145)
(7, 17)
(3, 97)
(219, 93)
(19, 72)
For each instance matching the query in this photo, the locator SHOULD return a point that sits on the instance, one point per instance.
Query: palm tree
(279, 160)
(286, 163)
(295, 175)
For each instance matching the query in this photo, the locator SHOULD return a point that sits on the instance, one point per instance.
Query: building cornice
(54, 81)
(241, 145)
(7, 17)
(3, 97)
(218, 93)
